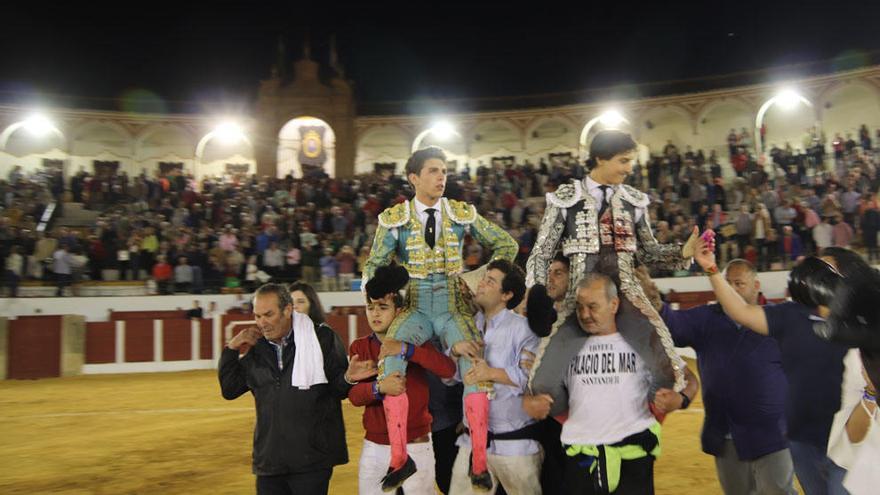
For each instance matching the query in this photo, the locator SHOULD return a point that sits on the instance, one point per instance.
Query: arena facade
(305, 121)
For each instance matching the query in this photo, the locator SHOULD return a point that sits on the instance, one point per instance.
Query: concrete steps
(75, 215)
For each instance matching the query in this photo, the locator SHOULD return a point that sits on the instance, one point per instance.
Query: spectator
(743, 228)
(329, 271)
(273, 259)
(44, 249)
(346, 264)
(311, 264)
(196, 312)
(762, 227)
(14, 269)
(842, 233)
(250, 273)
(183, 275)
(62, 268)
(849, 201)
(163, 274)
(790, 246)
(293, 260)
(823, 235)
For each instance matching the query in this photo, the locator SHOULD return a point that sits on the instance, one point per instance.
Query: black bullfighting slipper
(539, 311)
(479, 482)
(395, 479)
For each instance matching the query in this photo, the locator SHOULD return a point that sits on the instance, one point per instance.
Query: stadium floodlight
(787, 99)
(228, 133)
(38, 125)
(442, 130)
(611, 118)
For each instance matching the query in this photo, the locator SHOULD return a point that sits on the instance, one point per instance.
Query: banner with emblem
(311, 151)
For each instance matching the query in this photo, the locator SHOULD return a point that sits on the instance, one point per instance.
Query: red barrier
(230, 317)
(138, 341)
(363, 326)
(205, 332)
(339, 324)
(176, 340)
(100, 342)
(687, 300)
(34, 347)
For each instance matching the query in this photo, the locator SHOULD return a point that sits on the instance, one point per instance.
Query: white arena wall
(98, 308)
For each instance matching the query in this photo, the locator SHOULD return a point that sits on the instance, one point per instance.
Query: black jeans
(636, 477)
(62, 280)
(12, 282)
(553, 468)
(311, 483)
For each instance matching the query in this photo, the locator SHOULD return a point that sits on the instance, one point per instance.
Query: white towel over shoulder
(308, 362)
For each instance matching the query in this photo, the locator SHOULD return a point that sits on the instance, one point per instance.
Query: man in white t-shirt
(611, 437)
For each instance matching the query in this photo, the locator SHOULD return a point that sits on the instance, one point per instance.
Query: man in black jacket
(300, 433)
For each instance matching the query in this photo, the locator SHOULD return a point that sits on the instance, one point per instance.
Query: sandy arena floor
(174, 433)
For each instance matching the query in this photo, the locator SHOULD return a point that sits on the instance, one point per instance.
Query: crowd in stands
(243, 231)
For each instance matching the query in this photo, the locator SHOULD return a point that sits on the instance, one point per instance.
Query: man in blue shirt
(514, 454)
(744, 390)
(813, 367)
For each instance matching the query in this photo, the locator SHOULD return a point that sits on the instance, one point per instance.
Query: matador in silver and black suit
(602, 228)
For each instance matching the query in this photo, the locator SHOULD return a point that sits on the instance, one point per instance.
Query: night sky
(189, 58)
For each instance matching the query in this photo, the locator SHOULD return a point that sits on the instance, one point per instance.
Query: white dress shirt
(422, 216)
(594, 189)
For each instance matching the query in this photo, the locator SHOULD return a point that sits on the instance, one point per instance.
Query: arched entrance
(304, 144)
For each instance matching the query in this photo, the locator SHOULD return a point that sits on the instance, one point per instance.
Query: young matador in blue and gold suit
(425, 235)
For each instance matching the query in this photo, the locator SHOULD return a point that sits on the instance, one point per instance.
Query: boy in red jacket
(384, 303)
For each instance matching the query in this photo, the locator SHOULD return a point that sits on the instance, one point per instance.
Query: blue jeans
(817, 473)
(436, 306)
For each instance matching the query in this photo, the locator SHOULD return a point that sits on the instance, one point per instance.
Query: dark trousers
(124, 267)
(553, 468)
(12, 282)
(742, 240)
(636, 477)
(311, 483)
(444, 456)
(62, 280)
(165, 286)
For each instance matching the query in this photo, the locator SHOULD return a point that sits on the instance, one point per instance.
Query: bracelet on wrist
(376, 393)
(347, 380)
(685, 401)
(869, 396)
(712, 270)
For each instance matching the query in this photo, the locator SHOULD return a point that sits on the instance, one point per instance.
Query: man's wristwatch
(685, 401)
